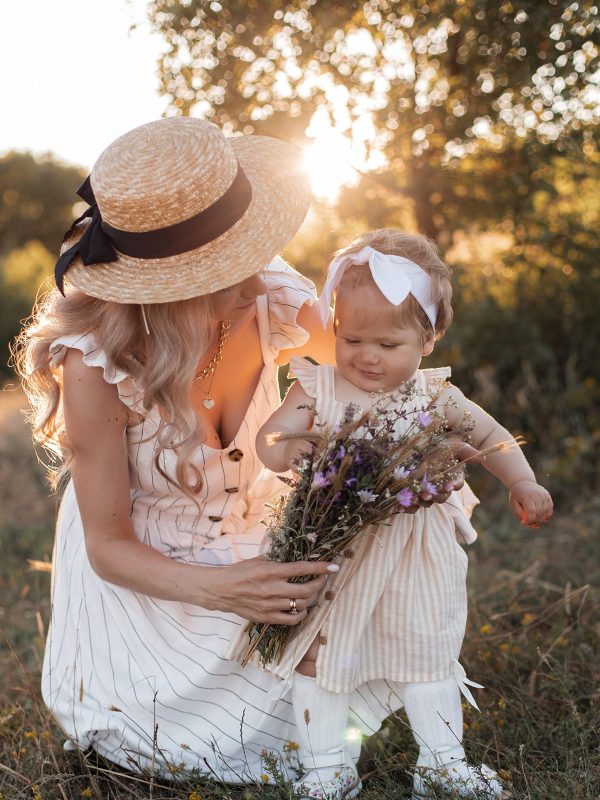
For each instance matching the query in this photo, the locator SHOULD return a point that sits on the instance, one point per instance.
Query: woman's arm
(530, 502)
(295, 414)
(95, 421)
(320, 346)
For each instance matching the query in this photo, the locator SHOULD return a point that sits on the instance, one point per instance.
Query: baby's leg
(321, 717)
(435, 715)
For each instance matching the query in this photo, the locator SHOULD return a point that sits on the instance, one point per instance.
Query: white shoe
(458, 779)
(327, 782)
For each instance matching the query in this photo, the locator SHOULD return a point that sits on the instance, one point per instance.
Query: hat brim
(280, 200)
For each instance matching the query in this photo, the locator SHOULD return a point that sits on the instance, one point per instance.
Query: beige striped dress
(396, 610)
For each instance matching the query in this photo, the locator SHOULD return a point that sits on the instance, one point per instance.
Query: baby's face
(373, 355)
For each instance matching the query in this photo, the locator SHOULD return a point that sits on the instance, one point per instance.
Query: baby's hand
(530, 502)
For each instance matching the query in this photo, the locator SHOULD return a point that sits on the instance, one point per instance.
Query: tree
(38, 195)
(436, 79)
(484, 114)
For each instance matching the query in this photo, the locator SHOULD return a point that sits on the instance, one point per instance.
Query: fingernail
(333, 568)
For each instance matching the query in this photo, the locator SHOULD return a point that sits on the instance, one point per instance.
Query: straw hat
(168, 172)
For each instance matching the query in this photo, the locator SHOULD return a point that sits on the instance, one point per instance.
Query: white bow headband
(395, 277)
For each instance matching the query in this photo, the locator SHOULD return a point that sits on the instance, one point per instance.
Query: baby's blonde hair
(417, 248)
(163, 364)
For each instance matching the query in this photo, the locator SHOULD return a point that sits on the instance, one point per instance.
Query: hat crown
(162, 173)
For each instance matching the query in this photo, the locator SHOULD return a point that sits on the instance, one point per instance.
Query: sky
(74, 77)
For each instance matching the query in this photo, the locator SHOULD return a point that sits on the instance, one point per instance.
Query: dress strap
(325, 382)
(325, 394)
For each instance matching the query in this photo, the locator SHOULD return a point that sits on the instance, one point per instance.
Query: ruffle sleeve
(94, 356)
(287, 292)
(437, 375)
(306, 373)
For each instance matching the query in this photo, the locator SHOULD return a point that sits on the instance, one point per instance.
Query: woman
(150, 377)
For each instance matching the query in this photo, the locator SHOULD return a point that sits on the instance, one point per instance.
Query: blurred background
(473, 122)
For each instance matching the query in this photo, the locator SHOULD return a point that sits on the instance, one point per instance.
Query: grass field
(533, 639)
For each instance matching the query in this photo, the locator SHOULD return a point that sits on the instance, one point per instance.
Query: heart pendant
(208, 402)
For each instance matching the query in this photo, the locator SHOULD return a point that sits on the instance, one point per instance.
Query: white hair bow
(395, 277)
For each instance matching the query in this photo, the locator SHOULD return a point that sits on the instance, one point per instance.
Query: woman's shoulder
(93, 355)
(287, 292)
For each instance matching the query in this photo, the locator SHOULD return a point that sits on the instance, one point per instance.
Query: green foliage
(435, 78)
(38, 198)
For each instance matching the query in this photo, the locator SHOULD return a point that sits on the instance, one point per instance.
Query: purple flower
(331, 472)
(336, 497)
(427, 486)
(320, 481)
(401, 472)
(350, 481)
(341, 452)
(405, 498)
(424, 418)
(366, 495)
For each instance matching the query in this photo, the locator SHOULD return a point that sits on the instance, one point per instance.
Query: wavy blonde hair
(163, 364)
(423, 252)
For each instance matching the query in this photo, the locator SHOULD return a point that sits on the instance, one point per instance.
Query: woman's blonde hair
(423, 252)
(163, 364)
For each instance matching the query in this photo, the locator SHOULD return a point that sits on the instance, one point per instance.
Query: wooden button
(236, 454)
(232, 489)
(215, 519)
(348, 553)
(322, 639)
(328, 595)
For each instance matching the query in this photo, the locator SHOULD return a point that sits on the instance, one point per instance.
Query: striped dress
(144, 681)
(396, 610)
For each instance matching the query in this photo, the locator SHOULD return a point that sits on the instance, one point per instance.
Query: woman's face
(236, 301)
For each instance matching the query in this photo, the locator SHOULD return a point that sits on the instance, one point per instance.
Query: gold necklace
(211, 367)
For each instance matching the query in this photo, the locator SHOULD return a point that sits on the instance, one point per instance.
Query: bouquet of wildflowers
(376, 464)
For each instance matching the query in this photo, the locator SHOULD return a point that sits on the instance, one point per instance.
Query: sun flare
(328, 161)
(339, 153)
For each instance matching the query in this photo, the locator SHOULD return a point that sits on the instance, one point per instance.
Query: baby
(396, 611)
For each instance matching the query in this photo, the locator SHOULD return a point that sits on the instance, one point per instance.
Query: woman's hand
(259, 589)
(530, 502)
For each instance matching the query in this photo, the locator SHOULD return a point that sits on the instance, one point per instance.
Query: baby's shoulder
(436, 376)
(305, 373)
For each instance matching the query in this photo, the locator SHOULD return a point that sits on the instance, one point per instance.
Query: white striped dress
(161, 662)
(396, 610)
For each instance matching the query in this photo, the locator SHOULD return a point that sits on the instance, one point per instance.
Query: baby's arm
(530, 502)
(288, 418)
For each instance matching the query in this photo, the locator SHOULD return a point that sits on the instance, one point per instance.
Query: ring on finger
(293, 608)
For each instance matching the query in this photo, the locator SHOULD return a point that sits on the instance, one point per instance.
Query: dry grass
(533, 640)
